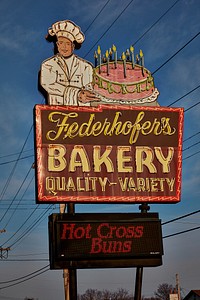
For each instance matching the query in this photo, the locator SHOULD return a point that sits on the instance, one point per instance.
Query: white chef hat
(67, 29)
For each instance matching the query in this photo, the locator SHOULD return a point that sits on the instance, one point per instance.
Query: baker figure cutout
(65, 77)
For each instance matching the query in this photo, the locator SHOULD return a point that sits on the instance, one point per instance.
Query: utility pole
(178, 287)
(4, 251)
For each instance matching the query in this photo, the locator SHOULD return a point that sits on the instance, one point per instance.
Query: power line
(192, 106)
(15, 197)
(185, 95)
(17, 279)
(31, 227)
(22, 225)
(181, 232)
(21, 197)
(16, 160)
(5, 287)
(156, 22)
(109, 27)
(191, 155)
(182, 217)
(194, 37)
(14, 167)
(191, 146)
(97, 16)
(195, 134)
(13, 154)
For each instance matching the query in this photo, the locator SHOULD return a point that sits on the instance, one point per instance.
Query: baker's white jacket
(63, 78)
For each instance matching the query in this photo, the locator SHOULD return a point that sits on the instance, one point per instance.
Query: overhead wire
(28, 275)
(156, 22)
(192, 106)
(191, 155)
(195, 134)
(13, 154)
(24, 280)
(181, 232)
(14, 167)
(21, 197)
(96, 16)
(16, 160)
(28, 230)
(182, 217)
(197, 87)
(15, 198)
(171, 57)
(109, 27)
(191, 146)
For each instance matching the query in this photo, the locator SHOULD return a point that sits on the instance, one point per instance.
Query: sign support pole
(72, 272)
(69, 275)
(139, 271)
(65, 271)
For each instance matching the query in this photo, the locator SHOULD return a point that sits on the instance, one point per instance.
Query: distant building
(193, 295)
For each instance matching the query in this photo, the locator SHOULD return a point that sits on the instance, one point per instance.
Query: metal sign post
(69, 276)
(72, 272)
(139, 271)
(65, 271)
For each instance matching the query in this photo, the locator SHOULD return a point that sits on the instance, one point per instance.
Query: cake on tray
(123, 81)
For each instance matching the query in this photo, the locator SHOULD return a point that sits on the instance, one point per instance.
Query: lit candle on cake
(127, 54)
(142, 58)
(107, 60)
(99, 58)
(110, 54)
(124, 63)
(95, 59)
(132, 56)
(115, 55)
(142, 61)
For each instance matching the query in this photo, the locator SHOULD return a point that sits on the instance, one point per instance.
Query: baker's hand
(85, 96)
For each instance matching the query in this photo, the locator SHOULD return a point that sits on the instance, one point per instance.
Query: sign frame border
(41, 198)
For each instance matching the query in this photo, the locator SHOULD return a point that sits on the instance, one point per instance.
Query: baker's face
(65, 46)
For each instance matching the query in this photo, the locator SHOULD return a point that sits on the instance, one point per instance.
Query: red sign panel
(105, 240)
(108, 154)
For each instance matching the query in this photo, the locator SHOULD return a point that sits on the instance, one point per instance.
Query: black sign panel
(105, 240)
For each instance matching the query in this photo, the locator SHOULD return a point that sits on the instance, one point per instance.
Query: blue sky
(24, 24)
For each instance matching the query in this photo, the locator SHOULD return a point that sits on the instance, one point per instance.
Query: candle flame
(123, 56)
(99, 50)
(107, 53)
(114, 48)
(141, 53)
(131, 49)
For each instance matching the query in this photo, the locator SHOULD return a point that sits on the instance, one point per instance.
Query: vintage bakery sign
(108, 154)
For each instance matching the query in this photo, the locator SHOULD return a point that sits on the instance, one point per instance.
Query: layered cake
(124, 82)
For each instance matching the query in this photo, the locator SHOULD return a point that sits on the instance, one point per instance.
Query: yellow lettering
(144, 157)
(56, 160)
(83, 162)
(165, 161)
(102, 159)
(122, 159)
(170, 183)
(103, 183)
